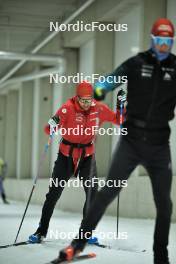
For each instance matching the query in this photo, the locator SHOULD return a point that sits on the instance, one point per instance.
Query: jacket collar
(153, 57)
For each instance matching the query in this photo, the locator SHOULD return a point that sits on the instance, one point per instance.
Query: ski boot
(93, 241)
(68, 253)
(36, 238)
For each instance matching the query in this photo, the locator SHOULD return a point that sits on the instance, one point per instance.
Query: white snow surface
(123, 251)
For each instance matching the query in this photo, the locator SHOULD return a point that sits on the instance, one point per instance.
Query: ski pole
(118, 197)
(121, 115)
(118, 202)
(89, 193)
(35, 181)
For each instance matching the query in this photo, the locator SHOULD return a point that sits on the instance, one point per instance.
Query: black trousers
(156, 159)
(2, 191)
(63, 170)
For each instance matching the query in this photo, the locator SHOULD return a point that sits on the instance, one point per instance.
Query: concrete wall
(11, 115)
(24, 130)
(42, 108)
(45, 103)
(2, 124)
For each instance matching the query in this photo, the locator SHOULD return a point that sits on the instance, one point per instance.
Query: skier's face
(162, 44)
(85, 102)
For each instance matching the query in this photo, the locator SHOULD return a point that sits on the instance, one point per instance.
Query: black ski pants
(62, 172)
(156, 159)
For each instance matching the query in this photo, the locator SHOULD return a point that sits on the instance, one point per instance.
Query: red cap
(163, 27)
(84, 89)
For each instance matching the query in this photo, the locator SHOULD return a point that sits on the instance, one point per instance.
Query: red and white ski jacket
(72, 116)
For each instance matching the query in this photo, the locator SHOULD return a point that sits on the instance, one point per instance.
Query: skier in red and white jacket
(85, 115)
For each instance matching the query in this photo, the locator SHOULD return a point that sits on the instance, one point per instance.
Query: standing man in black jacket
(151, 101)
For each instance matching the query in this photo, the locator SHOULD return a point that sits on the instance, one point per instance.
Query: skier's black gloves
(99, 94)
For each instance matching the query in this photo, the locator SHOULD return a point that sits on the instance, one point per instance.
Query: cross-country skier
(151, 96)
(3, 170)
(76, 150)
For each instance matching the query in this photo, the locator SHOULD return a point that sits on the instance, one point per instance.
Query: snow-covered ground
(139, 238)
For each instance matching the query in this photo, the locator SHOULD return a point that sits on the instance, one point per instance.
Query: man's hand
(54, 121)
(99, 94)
(121, 98)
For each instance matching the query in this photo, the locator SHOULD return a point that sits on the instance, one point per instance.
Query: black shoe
(36, 238)
(5, 202)
(72, 250)
(78, 244)
(4, 198)
(161, 255)
(163, 260)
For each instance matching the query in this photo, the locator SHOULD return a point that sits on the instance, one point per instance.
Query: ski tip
(92, 255)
